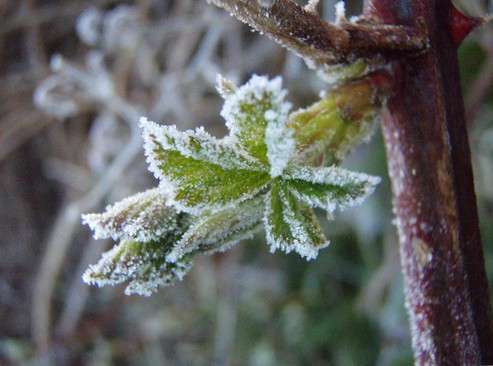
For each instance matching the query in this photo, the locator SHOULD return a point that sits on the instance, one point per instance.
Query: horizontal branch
(322, 43)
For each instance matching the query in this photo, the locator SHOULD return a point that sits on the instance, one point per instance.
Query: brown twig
(320, 42)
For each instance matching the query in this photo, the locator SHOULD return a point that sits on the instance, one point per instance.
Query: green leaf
(329, 187)
(248, 109)
(291, 224)
(141, 265)
(142, 217)
(193, 185)
(199, 145)
(220, 231)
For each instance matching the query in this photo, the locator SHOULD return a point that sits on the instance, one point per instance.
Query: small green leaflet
(142, 217)
(219, 231)
(291, 224)
(142, 265)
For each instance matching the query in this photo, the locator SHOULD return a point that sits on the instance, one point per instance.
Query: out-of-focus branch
(69, 217)
(483, 83)
(58, 243)
(322, 43)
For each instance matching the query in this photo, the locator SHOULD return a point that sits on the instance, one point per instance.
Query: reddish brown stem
(430, 168)
(320, 42)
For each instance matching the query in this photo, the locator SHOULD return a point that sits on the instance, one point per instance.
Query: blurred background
(75, 75)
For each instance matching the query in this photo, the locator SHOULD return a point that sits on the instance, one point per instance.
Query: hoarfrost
(142, 265)
(216, 192)
(291, 226)
(258, 91)
(142, 217)
(220, 231)
(330, 187)
(224, 86)
(196, 179)
(198, 145)
(303, 242)
(279, 141)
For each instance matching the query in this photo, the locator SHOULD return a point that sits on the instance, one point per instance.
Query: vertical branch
(430, 167)
(469, 234)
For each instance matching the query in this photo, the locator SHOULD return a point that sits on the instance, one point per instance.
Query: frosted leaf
(198, 145)
(217, 232)
(141, 265)
(142, 217)
(193, 185)
(291, 224)
(246, 109)
(216, 192)
(329, 187)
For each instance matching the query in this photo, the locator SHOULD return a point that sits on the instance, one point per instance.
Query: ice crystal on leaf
(271, 170)
(217, 232)
(250, 109)
(291, 224)
(142, 217)
(141, 265)
(198, 174)
(330, 187)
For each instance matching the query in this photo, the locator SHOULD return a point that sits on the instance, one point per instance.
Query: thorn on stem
(312, 6)
(461, 25)
(340, 12)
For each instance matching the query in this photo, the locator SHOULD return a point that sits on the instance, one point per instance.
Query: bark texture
(434, 200)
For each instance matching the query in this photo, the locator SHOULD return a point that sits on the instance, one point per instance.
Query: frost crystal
(197, 145)
(279, 140)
